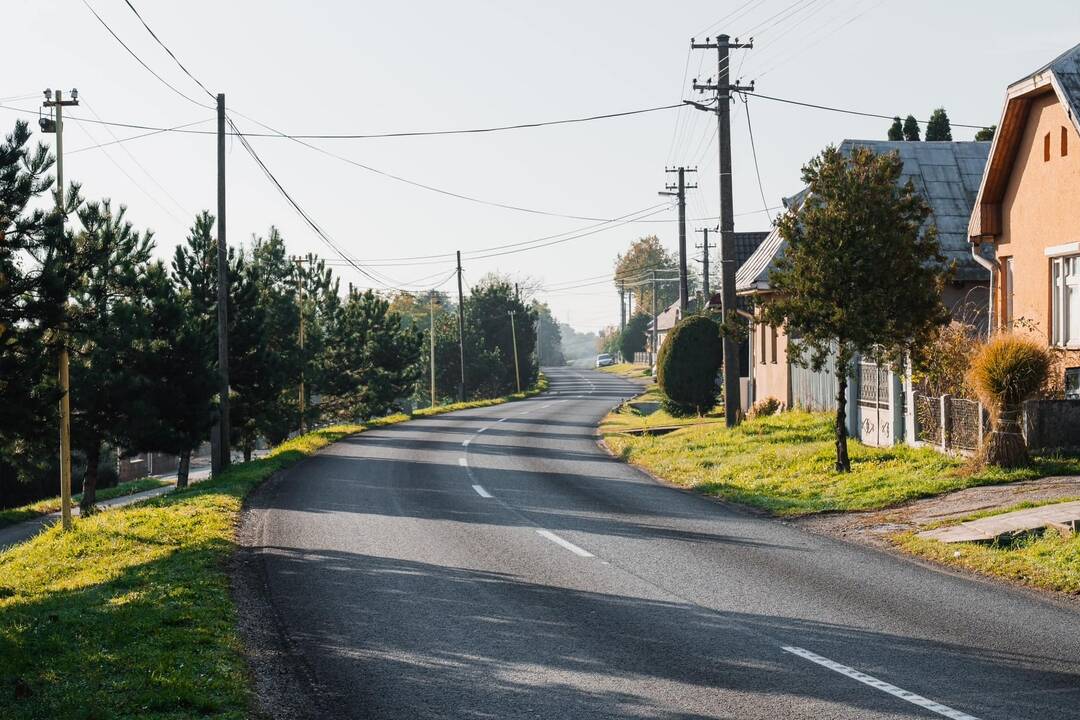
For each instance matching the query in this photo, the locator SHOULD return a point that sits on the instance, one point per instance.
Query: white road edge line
(465, 443)
(880, 684)
(564, 543)
(481, 491)
(502, 419)
(463, 462)
(481, 430)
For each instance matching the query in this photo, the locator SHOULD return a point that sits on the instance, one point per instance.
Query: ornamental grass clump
(1004, 373)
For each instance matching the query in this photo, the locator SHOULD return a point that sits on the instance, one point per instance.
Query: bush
(687, 365)
(766, 407)
(632, 339)
(1004, 373)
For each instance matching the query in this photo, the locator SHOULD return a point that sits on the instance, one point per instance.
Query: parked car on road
(604, 359)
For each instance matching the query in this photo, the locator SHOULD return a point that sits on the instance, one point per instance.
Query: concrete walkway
(23, 531)
(1063, 517)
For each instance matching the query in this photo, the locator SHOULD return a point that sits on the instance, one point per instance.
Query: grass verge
(784, 464)
(627, 418)
(1047, 560)
(51, 505)
(628, 370)
(129, 615)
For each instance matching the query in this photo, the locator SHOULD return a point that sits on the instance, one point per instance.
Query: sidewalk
(21, 532)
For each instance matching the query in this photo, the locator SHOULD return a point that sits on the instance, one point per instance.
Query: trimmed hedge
(687, 366)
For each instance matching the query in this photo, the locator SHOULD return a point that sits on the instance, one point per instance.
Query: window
(1072, 383)
(1046, 148)
(1065, 304)
(1008, 290)
(1064, 141)
(773, 330)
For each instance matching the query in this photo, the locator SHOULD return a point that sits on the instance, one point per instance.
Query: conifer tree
(896, 130)
(938, 128)
(911, 129)
(843, 290)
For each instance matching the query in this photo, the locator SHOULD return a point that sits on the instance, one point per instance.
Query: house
(746, 243)
(664, 323)
(1027, 214)
(947, 174)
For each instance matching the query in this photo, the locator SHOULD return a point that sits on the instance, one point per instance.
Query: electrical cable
(140, 60)
(753, 149)
(132, 137)
(842, 110)
(166, 49)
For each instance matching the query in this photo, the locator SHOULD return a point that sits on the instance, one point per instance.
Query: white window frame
(1064, 282)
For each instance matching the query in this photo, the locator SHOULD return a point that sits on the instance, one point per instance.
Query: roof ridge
(1049, 66)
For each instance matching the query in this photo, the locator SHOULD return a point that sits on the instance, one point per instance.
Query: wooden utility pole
(513, 335)
(679, 193)
(300, 306)
(431, 342)
(653, 348)
(461, 328)
(56, 125)
(622, 306)
(221, 456)
(704, 247)
(723, 89)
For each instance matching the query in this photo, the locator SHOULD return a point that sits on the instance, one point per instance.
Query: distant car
(603, 360)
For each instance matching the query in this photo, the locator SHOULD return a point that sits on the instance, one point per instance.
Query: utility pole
(56, 125)
(300, 304)
(723, 89)
(513, 334)
(622, 306)
(654, 349)
(539, 337)
(680, 189)
(221, 456)
(461, 328)
(431, 342)
(704, 247)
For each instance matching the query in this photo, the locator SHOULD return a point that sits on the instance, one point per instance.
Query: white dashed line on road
(880, 684)
(481, 491)
(463, 462)
(564, 543)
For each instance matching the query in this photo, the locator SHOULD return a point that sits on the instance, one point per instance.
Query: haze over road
(495, 563)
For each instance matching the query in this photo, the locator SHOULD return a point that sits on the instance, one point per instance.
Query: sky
(330, 67)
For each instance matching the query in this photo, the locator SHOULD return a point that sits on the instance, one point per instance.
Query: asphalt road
(495, 563)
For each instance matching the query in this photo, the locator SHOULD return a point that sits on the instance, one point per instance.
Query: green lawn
(51, 505)
(129, 615)
(627, 418)
(628, 370)
(1044, 560)
(784, 464)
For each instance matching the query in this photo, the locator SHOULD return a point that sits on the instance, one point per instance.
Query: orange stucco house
(1028, 213)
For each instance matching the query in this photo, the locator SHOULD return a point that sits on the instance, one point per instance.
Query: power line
(133, 137)
(166, 49)
(844, 110)
(753, 149)
(138, 59)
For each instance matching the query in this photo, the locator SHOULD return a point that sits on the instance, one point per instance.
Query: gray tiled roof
(1066, 70)
(947, 174)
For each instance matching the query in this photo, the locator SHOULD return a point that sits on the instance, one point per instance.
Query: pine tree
(911, 129)
(938, 128)
(828, 292)
(896, 131)
(108, 330)
(373, 359)
(176, 370)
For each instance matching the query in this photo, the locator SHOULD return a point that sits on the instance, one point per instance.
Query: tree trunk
(1005, 446)
(90, 480)
(247, 452)
(182, 469)
(843, 462)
